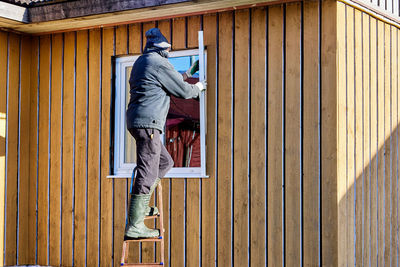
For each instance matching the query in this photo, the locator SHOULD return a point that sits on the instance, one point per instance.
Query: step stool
(160, 239)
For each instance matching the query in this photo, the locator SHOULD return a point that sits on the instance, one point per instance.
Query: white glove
(201, 85)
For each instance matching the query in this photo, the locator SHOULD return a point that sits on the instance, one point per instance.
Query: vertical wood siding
(271, 154)
(368, 144)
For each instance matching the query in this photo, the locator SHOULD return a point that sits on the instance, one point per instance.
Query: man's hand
(193, 69)
(201, 85)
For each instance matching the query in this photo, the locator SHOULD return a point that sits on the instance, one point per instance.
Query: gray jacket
(153, 79)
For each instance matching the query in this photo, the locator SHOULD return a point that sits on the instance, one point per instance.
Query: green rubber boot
(151, 211)
(136, 228)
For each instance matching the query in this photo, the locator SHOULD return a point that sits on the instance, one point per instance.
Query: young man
(153, 79)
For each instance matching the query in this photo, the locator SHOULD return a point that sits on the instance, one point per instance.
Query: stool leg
(161, 210)
(125, 251)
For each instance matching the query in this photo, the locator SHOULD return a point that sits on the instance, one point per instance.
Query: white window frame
(124, 170)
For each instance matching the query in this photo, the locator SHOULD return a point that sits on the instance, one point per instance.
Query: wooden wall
(271, 144)
(368, 139)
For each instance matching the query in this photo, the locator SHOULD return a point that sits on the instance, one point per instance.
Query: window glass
(182, 130)
(130, 144)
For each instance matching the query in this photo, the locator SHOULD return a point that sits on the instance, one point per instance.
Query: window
(184, 133)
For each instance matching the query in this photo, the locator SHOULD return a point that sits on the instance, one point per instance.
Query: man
(153, 79)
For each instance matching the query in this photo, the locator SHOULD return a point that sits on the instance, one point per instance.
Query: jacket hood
(156, 39)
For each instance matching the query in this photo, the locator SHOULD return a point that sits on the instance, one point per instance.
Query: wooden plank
(194, 25)
(388, 148)
(148, 248)
(381, 140)
(358, 135)
(33, 151)
(329, 238)
(55, 150)
(193, 185)
(12, 150)
(258, 143)
(165, 28)
(178, 234)
(120, 185)
(68, 147)
(397, 86)
(106, 245)
(394, 152)
(240, 141)
(275, 138)
(3, 136)
(208, 198)
(43, 161)
(292, 135)
(135, 37)
(310, 137)
(342, 137)
(374, 143)
(80, 149)
(366, 137)
(23, 257)
(224, 154)
(350, 136)
(93, 201)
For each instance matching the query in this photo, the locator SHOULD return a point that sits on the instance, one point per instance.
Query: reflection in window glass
(130, 144)
(182, 131)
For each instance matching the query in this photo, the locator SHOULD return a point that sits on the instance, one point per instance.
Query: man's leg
(148, 159)
(148, 150)
(166, 162)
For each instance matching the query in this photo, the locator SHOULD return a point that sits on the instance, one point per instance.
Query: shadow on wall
(2, 134)
(369, 203)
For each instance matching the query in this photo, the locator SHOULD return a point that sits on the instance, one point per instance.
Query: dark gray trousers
(153, 159)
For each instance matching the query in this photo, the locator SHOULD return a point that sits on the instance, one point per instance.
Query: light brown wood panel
(33, 151)
(366, 137)
(193, 26)
(275, 138)
(135, 37)
(208, 185)
(310, 137)
(43, 161)
(68, 147)
(224, 175)
(329, 210)
(80, 149)
(93, 149)
(177, 233)
(350, 135)
(55, 149)
(397, 73)
(258, 138)
(387, 146)
(358, 133)
(240, 138)
(292, 135)
(148, 247)
(165, 28)
(193, 185)
(374, 143)
(12, 149)
(25, 83)
(106, 245)
(120, 185)
(342, 137)
(381, 140)
(393, 185)
(3, 118)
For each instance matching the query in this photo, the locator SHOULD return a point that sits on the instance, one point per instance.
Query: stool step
(143, 264)
(158, 239)
(152, 217)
